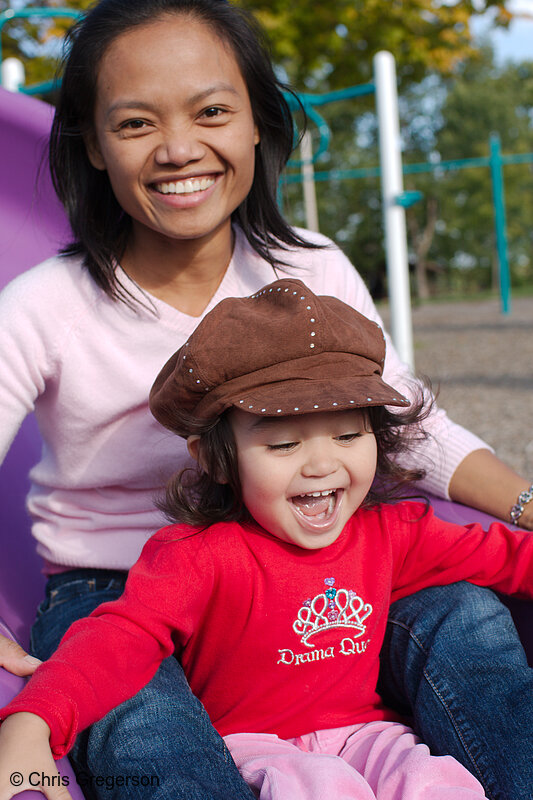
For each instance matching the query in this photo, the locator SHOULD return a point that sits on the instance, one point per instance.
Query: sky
(514, 44)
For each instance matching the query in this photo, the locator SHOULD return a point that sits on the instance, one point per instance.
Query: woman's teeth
(185, 187)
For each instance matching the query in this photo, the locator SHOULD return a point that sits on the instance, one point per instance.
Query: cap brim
(303, 396)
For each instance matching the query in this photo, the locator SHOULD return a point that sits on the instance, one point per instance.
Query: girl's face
(173, 128)
(303, 477)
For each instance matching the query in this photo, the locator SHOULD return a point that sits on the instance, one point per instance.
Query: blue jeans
(453, 662)
(160, 744)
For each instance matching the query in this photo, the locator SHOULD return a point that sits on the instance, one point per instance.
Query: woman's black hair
(196, 496)
(100, 226)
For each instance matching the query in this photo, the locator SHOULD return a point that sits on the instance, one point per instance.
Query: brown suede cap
(282, 351)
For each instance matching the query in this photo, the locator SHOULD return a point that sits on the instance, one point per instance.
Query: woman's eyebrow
(216, 87)
(142, 105)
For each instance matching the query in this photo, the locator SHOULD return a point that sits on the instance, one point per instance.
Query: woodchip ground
(482, 364)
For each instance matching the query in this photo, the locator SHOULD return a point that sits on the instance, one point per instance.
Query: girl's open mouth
(317, 510)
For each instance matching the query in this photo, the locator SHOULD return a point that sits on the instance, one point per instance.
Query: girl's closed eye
(348, 438)
(282, 447)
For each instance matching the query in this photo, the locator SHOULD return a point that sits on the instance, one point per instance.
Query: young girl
(275, 598)
(167, 145)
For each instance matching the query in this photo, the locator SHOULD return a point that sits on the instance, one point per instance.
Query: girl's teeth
(185, 187)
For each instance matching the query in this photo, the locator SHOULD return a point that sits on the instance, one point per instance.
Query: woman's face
(173, 128)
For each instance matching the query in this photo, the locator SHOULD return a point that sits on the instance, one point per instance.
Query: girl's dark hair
(100, 226)
(195, 496)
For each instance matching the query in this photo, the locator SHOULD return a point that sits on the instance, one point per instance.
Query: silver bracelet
(518, 508)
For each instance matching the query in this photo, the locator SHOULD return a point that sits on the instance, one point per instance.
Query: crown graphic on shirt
(332, 608)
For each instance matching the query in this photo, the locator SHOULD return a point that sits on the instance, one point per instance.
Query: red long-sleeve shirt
(273, 638)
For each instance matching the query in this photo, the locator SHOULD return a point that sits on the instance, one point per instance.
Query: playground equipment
(495, 162)
(394, 199)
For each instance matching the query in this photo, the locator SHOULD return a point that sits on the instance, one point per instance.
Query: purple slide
(33, 227)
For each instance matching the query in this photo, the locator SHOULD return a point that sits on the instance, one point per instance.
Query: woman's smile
(185, 186)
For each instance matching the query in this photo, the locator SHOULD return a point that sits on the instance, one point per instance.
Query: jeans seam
(460, 735)
(447, 708)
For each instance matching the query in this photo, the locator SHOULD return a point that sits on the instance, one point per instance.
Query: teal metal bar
(495, 161)
(412, 169)
(496, 172)
(40, 88)
(26, 13)
(310, 102)
(329, 97)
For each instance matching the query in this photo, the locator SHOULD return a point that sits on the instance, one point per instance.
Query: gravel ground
(482, 363)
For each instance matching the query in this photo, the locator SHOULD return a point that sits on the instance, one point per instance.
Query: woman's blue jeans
(452, 661)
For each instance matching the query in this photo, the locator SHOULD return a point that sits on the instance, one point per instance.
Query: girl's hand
(26, 761)
(15, 659)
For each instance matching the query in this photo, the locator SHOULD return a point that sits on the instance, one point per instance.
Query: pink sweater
(272, 638)
(85, 364)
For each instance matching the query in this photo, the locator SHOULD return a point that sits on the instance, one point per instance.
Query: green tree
(484, 98)
(332, 44)
(318, 45)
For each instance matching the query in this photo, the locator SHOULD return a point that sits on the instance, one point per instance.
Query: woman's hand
(15, 659)
(26, 761)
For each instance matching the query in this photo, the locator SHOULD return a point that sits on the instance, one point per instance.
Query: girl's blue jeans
(452, 661)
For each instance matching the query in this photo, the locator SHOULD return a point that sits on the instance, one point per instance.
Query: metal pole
(308, 180)
(500, 224)
(12, 74)
(393, 214)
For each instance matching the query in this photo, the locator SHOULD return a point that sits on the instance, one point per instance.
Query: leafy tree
(484, 98)
(332, 44)
(319, 45)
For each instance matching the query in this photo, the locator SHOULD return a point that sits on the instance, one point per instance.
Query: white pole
(13, 75)
(393, 214)
(308, 180)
